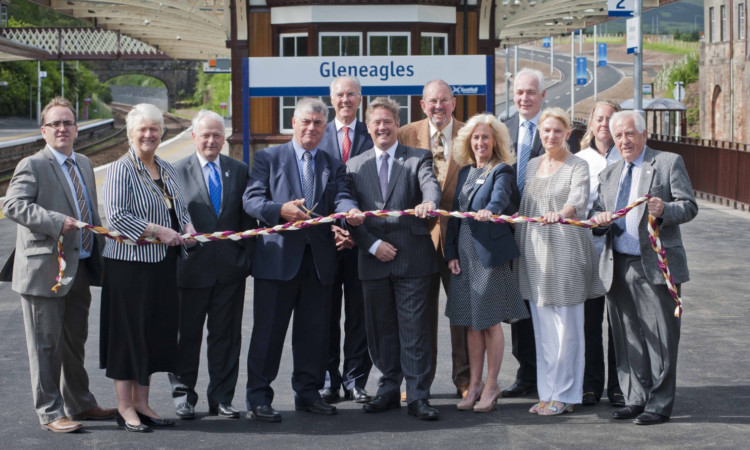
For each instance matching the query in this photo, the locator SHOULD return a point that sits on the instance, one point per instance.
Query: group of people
(548, 281)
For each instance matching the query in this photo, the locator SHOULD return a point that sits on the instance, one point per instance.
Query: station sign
(620, 8)
(581, 74)
(219, 65)
(633, 27)
(647, 89)
(546, 42)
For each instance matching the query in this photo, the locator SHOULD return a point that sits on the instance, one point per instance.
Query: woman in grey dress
(483, 292)
(558, 266)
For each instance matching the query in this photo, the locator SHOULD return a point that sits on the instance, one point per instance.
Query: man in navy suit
(344, 138)
(294, 269)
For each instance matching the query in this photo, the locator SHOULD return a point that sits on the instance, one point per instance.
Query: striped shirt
(132, 200)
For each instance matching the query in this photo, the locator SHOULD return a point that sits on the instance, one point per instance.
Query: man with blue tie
(346, 137)
(294, 270)
(211, 279)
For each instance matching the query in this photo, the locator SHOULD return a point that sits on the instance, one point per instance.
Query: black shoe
(140, 428)
(422, 410)
(154, 422)
(224, 410)
(628, 412)
(381, 403)
(329, 395)
(589, 399)
(317, 407)
(649, 418)
(617, 399)
(185, 411)
(519, 389)
(357, 395)
(264, 413)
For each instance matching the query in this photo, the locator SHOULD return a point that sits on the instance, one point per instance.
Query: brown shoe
(62, 425)
(96, 413)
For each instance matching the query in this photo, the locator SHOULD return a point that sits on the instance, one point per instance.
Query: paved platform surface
(712, 407)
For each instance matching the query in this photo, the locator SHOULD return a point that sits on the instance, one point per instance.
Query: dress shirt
(300, 152)
(447, 138)
(628, 242)
(522, 131)
(340, 135)
(597, 162)
(207, 170)
(60, 158)
(391, 156)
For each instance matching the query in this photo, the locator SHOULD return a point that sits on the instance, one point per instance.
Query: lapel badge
(226, 174)
(401, 158)
(480, 181)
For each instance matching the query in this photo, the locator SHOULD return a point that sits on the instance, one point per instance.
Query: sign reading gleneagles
(379, 75)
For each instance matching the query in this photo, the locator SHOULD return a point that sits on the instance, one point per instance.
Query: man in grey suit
(48, 193)
(396, 260)
(211, 279)
(645, 329)
(346, 137)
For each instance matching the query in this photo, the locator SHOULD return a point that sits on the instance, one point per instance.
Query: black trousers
(347, 289)
(274, 302)
(593, 375)
(524, 349)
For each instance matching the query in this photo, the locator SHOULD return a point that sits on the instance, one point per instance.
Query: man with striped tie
(49, 192)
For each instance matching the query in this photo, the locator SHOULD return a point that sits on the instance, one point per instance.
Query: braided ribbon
(302, 224)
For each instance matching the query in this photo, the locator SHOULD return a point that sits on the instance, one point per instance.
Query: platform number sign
(621, 8)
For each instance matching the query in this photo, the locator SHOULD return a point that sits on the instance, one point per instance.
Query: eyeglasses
(57, 123)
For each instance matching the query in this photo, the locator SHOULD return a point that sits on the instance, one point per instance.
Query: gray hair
(383, 102)
(436, 81)
(638, 121)
(531, 72)
(207, 114)
(143, 112)
(345, 78)
(310, 104)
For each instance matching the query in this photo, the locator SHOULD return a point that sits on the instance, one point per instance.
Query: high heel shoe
(123, 424)
(489, 405)
(467, 404)
(154, 422)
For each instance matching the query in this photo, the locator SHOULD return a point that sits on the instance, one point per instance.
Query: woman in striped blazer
(139, 314)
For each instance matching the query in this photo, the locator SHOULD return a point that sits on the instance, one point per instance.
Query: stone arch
(716, 112)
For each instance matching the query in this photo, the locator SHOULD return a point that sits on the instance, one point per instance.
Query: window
(291, 45)
(723, 24)
(711, 23)
(434, 44)
(392, 44)
(741, 21)
(340, 44)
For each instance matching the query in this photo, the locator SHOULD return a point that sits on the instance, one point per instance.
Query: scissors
(309, 212)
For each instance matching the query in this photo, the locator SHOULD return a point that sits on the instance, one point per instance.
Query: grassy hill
(683, 16)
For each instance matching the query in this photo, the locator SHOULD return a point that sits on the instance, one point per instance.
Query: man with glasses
(346, 137)
(436, 133)
(49, 192)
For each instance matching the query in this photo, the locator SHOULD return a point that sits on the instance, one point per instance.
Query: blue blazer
(330, 143)
(274, 180)
(494, 241)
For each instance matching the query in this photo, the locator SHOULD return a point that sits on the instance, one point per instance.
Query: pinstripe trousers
(398, 333)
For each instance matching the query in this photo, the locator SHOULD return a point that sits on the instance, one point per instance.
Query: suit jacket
(330, 143)
(412, 181)
(663, 175)
(493, 241)
(274, 180)
(222, 261)
(417, 135)
(38, 200)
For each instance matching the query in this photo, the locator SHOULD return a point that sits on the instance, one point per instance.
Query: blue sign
(620, 8)
(581, 75)
(546, 42)
(602, 54)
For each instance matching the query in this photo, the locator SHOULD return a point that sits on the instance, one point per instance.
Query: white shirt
(206, 170)
(597, 162)
(391, 156)
(340, 135)
(628, 242)
(447, 137)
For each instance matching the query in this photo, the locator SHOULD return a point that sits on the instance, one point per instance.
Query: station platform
(713, 394)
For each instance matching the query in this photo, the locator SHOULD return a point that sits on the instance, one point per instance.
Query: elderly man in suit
(294, 270)
(346, 137)
(211, 280)
(48, 193)
(523, 127)
(436, 133)
(396, 260)
(645, 328)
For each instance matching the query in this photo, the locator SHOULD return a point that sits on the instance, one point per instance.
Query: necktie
(308, 179)
(622, 197)
(346, 145)
(523, 157)
(383, 174)
(439, 164)
(81, 199)
(214, 186)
